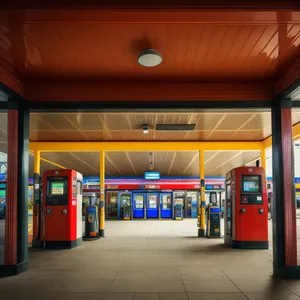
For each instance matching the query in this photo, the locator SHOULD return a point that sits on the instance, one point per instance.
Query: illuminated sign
(152, 175)
(297, 145)
(149, 187)
(212, 187)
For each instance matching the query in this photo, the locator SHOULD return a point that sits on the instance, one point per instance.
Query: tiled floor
(150, 260)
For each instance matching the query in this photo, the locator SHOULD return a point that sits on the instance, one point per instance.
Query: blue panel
(152, 176)
(166, 208)
(138, 204)
(152, 205)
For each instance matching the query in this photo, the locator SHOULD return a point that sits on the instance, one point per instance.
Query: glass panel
(166, 201)
(139, 201)
(112, 204)
(152, 200)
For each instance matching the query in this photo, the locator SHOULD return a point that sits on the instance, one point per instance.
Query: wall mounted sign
(152, 175)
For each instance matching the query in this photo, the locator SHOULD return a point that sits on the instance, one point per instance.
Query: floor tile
(201, 273)
(147, 286)
(146, 296)
(173, 296)
(210, 287)
(285, 296)
(216, 296)
(261, 286)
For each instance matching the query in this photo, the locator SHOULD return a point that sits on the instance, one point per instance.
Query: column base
(11, 270)
(287, 272)
(201, 233)
(101, 232)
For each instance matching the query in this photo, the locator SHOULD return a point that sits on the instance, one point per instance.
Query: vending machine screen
(251, 184)
(57, 188)
(57, 191)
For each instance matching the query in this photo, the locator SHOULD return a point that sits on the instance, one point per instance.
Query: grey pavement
(150, 260)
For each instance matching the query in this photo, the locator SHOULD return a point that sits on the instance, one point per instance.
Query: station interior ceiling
(254, 125)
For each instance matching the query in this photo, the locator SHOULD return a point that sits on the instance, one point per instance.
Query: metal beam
(143, 146)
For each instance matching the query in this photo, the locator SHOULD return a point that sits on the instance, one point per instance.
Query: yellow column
(37, 162)
(201, 210)
(36, 198)
(263, 159)
(102, 191)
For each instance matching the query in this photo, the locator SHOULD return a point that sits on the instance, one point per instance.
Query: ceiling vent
(175, 127)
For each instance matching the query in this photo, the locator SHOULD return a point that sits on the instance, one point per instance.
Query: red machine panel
(246, 211)
(61, 225)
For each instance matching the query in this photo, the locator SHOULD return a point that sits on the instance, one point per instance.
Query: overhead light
(175, 127)
(150, 58)
(145, 128)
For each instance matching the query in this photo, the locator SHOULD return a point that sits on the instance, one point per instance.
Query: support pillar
(284, 209)
(201, 207)
(16, 222)
(36, 198)
(102, 193)
(263, 160)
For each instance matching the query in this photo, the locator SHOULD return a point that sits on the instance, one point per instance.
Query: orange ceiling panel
(191, 52)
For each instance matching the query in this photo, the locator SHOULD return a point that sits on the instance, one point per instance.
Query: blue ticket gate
(152, 205)
(166, 205)
(138, 205)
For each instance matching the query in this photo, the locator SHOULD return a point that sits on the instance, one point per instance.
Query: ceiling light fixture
(145, 128)
(150, 58)
(175, 127)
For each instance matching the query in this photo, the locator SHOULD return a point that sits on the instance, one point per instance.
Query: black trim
(246, 244)
(11, 270)
(63, 244)
(23, 163)
(288, 272)
(278, 185)
(201, 233)
(296, 104)
(120, 106)
(101, 232)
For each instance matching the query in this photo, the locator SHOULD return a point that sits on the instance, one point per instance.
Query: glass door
(166, 205)
(138, 205)
(112, 205)
(152, 205)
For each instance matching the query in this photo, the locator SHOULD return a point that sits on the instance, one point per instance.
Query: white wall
(296, 161)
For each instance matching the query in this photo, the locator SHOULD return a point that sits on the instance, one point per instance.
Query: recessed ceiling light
(150, 58)
(145, 128)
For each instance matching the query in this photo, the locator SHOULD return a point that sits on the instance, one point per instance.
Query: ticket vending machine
(192, 204)
(213, 225)
(178, 206)
(246, 208)
(61, 222)
(125, 203)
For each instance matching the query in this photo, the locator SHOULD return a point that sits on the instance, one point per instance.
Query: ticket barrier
(91, 230)
(213, 224)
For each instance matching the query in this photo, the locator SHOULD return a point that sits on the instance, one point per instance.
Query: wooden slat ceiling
(180, 163)
(210, 126)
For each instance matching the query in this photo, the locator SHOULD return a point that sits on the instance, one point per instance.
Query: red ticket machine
(61, 225)
(246, 209)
